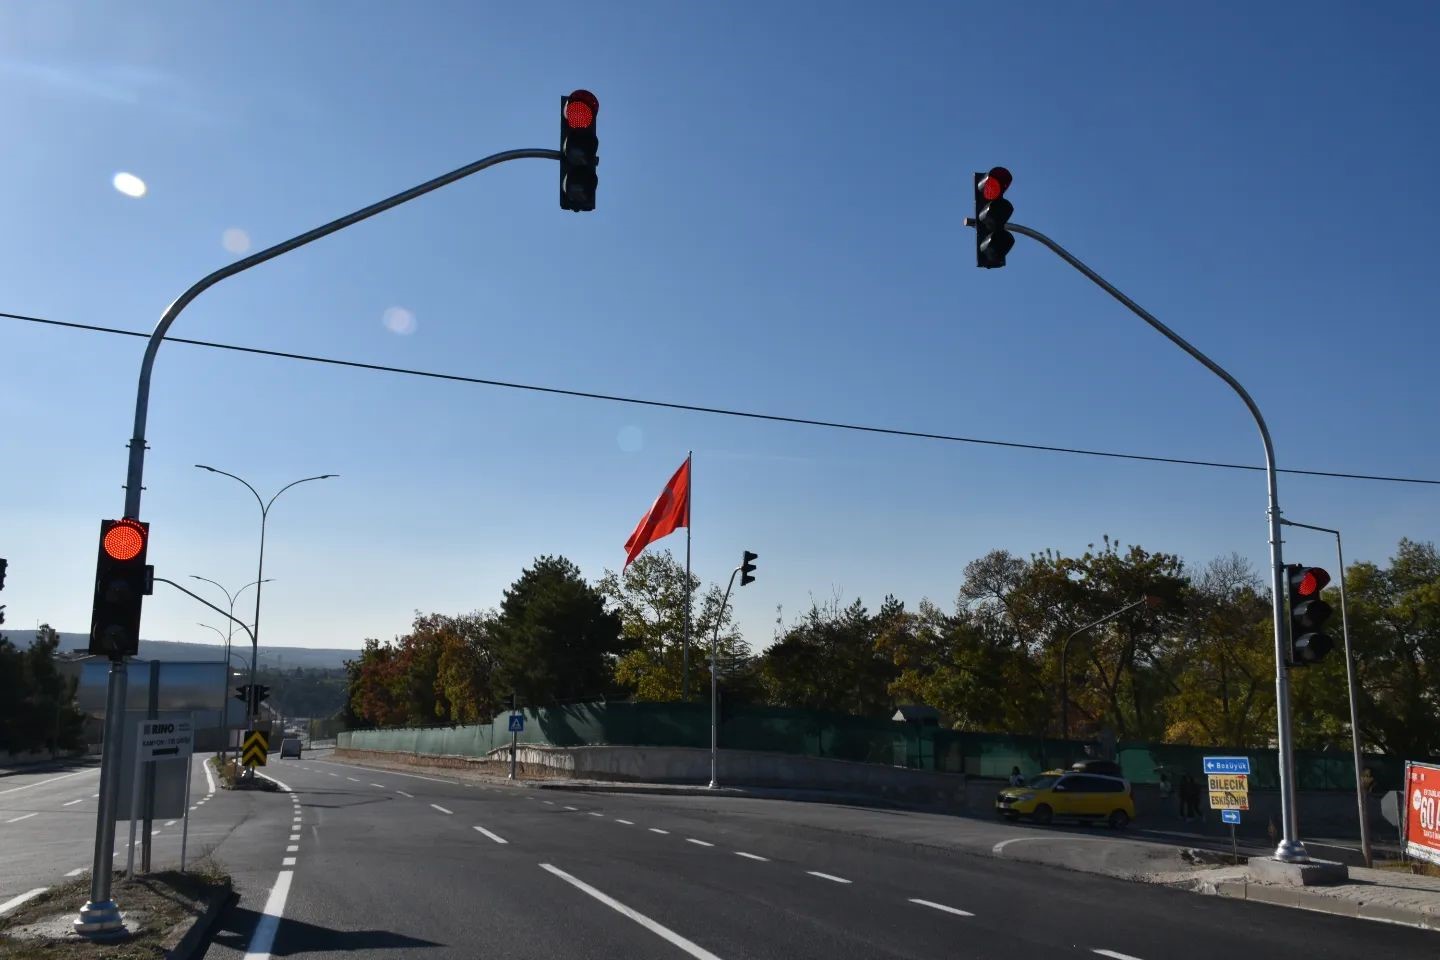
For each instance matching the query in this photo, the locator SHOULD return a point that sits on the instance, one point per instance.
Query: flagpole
(685, 654)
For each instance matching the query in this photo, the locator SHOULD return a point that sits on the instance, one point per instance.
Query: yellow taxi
(1068, 793)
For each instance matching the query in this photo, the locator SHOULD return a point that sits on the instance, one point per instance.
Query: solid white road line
(940, 906)
(76, 872)
(660, 930)
(264, 936)
(209, 778)
(277, 783)
(751, 856)
(26, 817)
(628, 823)
(404, 794)
(43, 782)
(701, 843)
(440, 808)
(827, 876)
(496, 837)
(658, 830)
(995, 850)
(71, 803)
(14, 902)
(1115, 955)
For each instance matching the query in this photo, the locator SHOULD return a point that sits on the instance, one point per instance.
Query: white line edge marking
(76, 872)
(43, 782)
(660, 930)
(751, 856)
(628, 823)
(264, 936)
(493, 836)
(209, 779)
(26, 817)
(1115, 955)
(699, 843)
(404, 794)
(827, 876)
(995, 850)
(658, 830)
(25, 897)
(71, 803)
(440, 808)
(940, 906)
(277, 783)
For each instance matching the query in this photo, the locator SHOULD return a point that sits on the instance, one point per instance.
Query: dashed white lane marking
(94, 796)
(264, 936)
(700, 843)
(572, 808)
(332, 774)
(440, 808)
(170, 823)
(658, 830)
(287, 862)
(71, 803)
(296, 820)
(25, 897)
(596, 813)
(294, 836)
(380, 785)
(752, 856)
(659, 929)
(940, 906)
(404, 794)
(76, 872)
(1115, 955)
(493, 836)
(827, 876)
(393, 773)
(43, 782)
(353, 779)
(25, 817)
(628, 823)
(551, 802)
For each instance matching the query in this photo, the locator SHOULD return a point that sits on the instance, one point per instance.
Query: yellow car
(1065, 793)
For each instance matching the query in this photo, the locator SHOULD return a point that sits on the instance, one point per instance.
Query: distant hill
(275, 658)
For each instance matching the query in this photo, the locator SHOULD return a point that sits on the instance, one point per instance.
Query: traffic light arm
(135, 474)
(208, 604)
(1290, 848)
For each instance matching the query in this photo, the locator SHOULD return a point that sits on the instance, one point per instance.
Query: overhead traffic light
(747, 568)
(1308, 613)
(3, 564)
(579, 148)
(121, 581)
(262, 693)
(242, 693)
(992, 213)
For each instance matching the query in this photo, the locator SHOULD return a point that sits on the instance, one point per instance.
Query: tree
(465, 670)
(37, 701)
(554, 639)
(828, 660)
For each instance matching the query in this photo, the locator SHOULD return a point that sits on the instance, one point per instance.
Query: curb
(189, 944)
(1299, 898)
(660, 789)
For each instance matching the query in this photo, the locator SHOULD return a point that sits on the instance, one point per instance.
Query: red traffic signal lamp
(992, 213)
(1308, 613)
(122, 579)
(579, 151)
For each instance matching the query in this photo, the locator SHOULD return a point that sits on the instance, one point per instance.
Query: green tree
(465, 670)
(829, 660)
(37, 701)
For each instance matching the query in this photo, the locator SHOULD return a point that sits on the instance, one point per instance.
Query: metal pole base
(99, 919)
(1292, 851)
(713, 785)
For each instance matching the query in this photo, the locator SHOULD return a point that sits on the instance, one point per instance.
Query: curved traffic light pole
(101, 915)
(1290, 849)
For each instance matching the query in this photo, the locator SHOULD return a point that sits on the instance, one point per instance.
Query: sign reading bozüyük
(1422, 811)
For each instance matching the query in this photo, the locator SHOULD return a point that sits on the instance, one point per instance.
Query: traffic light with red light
(1308, 613)
(992, 213)
(121, 581)
(579, 151)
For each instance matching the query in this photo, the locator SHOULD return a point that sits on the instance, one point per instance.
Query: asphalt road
(359, 862)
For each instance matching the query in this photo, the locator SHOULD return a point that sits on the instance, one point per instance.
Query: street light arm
(220, 633)
(323, 476)
(228, 596)
(207, 603)
(255, 493)
(1105, 619)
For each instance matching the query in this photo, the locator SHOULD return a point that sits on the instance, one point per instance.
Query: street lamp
(225, 686)
(1065, 661)
(252, 708)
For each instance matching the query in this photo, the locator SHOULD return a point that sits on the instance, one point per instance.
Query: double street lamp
(225, 686)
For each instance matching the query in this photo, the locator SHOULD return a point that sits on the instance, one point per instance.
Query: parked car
(1066, 793)
(290, 747)
(1107, 768)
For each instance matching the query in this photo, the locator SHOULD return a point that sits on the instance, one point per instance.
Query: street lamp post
(1065, 663)
(225, 686)
(251, 708)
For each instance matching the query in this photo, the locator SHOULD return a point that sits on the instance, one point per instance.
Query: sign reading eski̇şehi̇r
(1229, 782)
(257, 745)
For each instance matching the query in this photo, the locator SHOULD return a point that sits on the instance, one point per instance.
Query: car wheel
(1119, 820)
(1043, 814)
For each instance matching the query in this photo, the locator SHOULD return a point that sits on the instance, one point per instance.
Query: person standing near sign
(1189, 798)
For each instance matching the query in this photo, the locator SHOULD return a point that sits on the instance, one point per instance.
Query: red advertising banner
(1422, 811)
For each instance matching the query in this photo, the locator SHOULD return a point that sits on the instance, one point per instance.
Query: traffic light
(578, 151)
(747, 568)
(3, 564)
(262, 693)
(1308, 613)
(121, 580)
(242, 693)
(992, 212)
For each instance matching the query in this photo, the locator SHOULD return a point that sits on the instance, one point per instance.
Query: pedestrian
(1015, 779)
(1189, 799)
(1166, 789)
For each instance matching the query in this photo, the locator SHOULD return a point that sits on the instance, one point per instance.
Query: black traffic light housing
(1308, 613)
(262, 693)
(992, 213)
(747, 568)
(242, 693)
(122, 579)
(579, 151)
(3, 564)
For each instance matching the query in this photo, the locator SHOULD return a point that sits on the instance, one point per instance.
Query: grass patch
(1417, 868)
(162, 905)
(232, 777)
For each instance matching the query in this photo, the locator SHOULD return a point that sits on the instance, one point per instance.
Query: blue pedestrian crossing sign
(517, 723)
(1239, 765)
(1229, 816)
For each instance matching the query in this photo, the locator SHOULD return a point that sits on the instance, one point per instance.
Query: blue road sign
(1229, 816)
(517, 723)
(1227, 765)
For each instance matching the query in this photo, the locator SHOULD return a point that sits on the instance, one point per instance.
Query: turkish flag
(670, 512)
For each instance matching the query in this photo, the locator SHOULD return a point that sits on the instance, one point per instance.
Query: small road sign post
(256, 748)
(1229, 788)
(160, 740)
(517, 726)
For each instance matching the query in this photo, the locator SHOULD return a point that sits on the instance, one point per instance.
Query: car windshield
(1043, 782)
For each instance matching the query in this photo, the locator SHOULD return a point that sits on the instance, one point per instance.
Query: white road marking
(551, 802)
(393, 773)
(701, 843)
(25, 897)
(380, 785)
(496, 837)
(1113, 954)
(572, 808)
(287, 862)
(277, 783)
(293, 848)
(658, 830)
(660, 930)
(295, 820)
(751, 856)
(940, 906)
(827, 876)
(71, 803)
(440, 808)
(995, 850)
(596, 813)
(76, 872)
(26, 817)
(264, 936)
(154, 832)
(404, 794)
(170, 823)
(294, 836)
(94, 796)
(628, 823)
(209, 779)
(353, 779)
(43, 782)
(332, 774)
(194, 806)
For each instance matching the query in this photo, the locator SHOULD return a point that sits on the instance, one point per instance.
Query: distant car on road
(1066, 793)
(290, 747)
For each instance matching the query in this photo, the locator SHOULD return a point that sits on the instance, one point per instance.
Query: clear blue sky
(779, 229)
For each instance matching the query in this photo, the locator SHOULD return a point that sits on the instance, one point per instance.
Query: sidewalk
(1385, 895)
